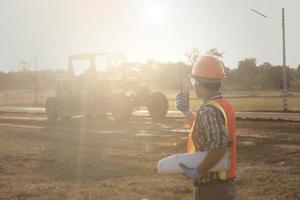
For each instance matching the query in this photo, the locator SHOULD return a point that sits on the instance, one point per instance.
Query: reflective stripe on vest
(224, 107)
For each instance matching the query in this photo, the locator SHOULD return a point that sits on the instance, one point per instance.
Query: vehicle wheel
(52, 108)
(158, 105)
(120, 107)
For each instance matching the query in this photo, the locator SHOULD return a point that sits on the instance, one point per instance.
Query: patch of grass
(23, 97)
(251, 103)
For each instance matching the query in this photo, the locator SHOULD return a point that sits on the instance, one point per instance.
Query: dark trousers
(218, 191)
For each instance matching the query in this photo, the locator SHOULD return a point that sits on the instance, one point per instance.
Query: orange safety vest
(229, 116)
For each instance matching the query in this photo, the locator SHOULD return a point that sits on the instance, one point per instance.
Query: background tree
(193, 56)
(23, 66)
(248, 65)
(243, 77)
(215, 52)
(298, 72)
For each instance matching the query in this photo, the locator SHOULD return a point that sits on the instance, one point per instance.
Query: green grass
(251, 103)
(23, 97)
(241, 100)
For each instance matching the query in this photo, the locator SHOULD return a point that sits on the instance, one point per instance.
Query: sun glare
(155, 12)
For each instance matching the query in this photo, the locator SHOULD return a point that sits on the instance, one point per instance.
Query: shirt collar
(217, 96)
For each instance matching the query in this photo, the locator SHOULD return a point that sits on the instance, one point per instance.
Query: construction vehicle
(86, 94)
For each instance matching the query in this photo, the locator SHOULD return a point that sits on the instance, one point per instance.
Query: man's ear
(200, 86)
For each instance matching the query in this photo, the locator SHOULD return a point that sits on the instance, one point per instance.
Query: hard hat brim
(207, 80)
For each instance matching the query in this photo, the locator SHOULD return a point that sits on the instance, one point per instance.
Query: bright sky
(145, 29)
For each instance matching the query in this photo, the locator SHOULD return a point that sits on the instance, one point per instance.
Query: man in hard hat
(213, 130)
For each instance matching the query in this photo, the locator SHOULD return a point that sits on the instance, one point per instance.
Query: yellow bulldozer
(86, 94)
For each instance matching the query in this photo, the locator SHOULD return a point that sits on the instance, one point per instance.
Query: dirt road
(80, 159)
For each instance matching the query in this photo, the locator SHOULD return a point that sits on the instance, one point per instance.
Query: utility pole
(284, 67)
(35, 84)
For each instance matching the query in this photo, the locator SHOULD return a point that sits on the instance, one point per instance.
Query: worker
(212, 130)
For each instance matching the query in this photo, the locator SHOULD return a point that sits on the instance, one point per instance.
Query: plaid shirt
(210, 128)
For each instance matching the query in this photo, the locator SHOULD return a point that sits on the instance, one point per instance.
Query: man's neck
(210, 94)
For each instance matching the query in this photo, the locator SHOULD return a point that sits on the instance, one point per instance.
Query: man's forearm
(211, 159)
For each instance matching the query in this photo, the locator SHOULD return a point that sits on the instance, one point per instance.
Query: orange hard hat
(209, 67)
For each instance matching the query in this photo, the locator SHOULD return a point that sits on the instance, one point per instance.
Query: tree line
(168, 75)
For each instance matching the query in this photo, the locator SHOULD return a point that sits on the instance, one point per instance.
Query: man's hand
(183, 102)
(190, 173)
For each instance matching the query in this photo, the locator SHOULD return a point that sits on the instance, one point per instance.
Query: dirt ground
(81, 159)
